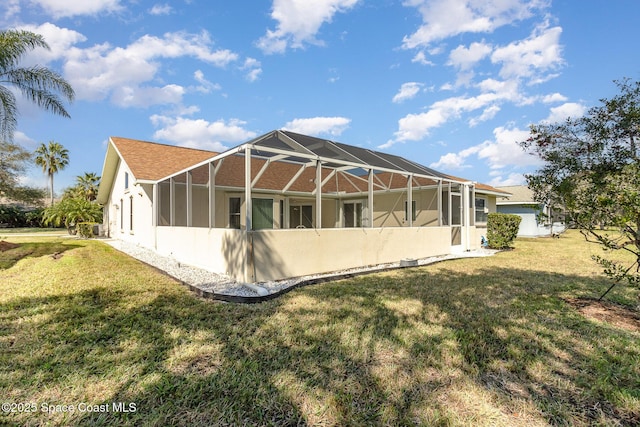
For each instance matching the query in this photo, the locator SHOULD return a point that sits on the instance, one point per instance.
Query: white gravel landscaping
(208, 281)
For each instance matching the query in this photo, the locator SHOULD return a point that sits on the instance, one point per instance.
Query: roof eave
(109, 169)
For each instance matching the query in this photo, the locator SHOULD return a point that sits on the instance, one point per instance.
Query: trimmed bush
(85, 229)
(502, 229)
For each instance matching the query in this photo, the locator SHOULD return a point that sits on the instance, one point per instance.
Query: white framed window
(262, 213)
(235, 204)
(301, 216)
(126, 180)
(352, 214)
(131, 214)
(482, 209)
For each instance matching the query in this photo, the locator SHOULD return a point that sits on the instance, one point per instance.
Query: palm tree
(53, 158)
(38, 84)
(88, 185)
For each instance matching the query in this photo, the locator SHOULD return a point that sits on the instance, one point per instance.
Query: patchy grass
(31, 230)
(487, 341)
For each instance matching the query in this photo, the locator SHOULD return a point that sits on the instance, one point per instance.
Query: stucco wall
(290, 253)
(278, 254)
(117, 214)
(220, 250)
(388, 208)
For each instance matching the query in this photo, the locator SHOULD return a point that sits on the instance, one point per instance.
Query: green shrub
(502, 229)
(71, 211)
(85, 229)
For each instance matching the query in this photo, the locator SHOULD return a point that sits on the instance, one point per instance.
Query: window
(234, 212)
(481, 209)
(262, 213)
(131, 213)
(413, 210)
(126, 180)
(353, 214)
(301, 216)
(121, 215)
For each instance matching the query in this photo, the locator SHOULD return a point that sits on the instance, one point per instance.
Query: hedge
(502, 229)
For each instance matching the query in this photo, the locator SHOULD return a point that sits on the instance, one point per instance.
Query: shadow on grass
(10, 257)
(398, 349)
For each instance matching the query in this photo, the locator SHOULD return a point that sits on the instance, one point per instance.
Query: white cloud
(101, 70)
(205, 85)
(12, 8)
(161, 9)
(504, 151)
(563, 112)
(299, 22)
(136, 96)
(513, 178)
(421, 58)
(318, 125)
(465, 58)
(445, 18)
(407, 91)
(498, 154)
(414, 127)
(488, 114)
(554, 97)
(253, 68)
(60, 41)
(23, 140)
(450, 161)
(68, 8)
(200, 133)
(539, 53)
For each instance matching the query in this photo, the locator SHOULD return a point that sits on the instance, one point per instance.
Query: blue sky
(451, 84)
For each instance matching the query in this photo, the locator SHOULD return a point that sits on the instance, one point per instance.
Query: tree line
(48, 90)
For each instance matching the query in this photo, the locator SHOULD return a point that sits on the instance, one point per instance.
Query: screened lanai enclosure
(286, 205)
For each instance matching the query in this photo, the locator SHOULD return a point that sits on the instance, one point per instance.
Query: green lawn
(31, 230)
(486, 341)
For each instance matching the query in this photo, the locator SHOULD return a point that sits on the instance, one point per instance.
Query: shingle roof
(519, 194)
(152, 161)
(484, 187)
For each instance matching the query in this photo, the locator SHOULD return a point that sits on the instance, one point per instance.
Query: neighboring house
(285, 205)
(537, 219)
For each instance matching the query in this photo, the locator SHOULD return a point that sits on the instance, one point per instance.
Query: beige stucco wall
(289, 253)
(279, 254)
(388, 208)
(219, 250)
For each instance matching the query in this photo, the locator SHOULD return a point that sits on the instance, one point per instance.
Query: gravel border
(216, 286)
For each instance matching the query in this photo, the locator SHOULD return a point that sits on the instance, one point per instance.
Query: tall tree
(52, 158)
(591, 167)
(40, 85)
(88, 185)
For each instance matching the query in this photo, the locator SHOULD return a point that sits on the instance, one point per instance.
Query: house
(286, 205)
(538, 219)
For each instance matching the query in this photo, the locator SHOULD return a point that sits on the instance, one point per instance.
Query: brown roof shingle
(153, 161)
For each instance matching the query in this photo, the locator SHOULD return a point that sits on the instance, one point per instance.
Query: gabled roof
(519, 194)
(147, 161)
(152, 162)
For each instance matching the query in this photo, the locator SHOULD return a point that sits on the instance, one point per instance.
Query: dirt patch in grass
(608, 312)
(5, 246)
